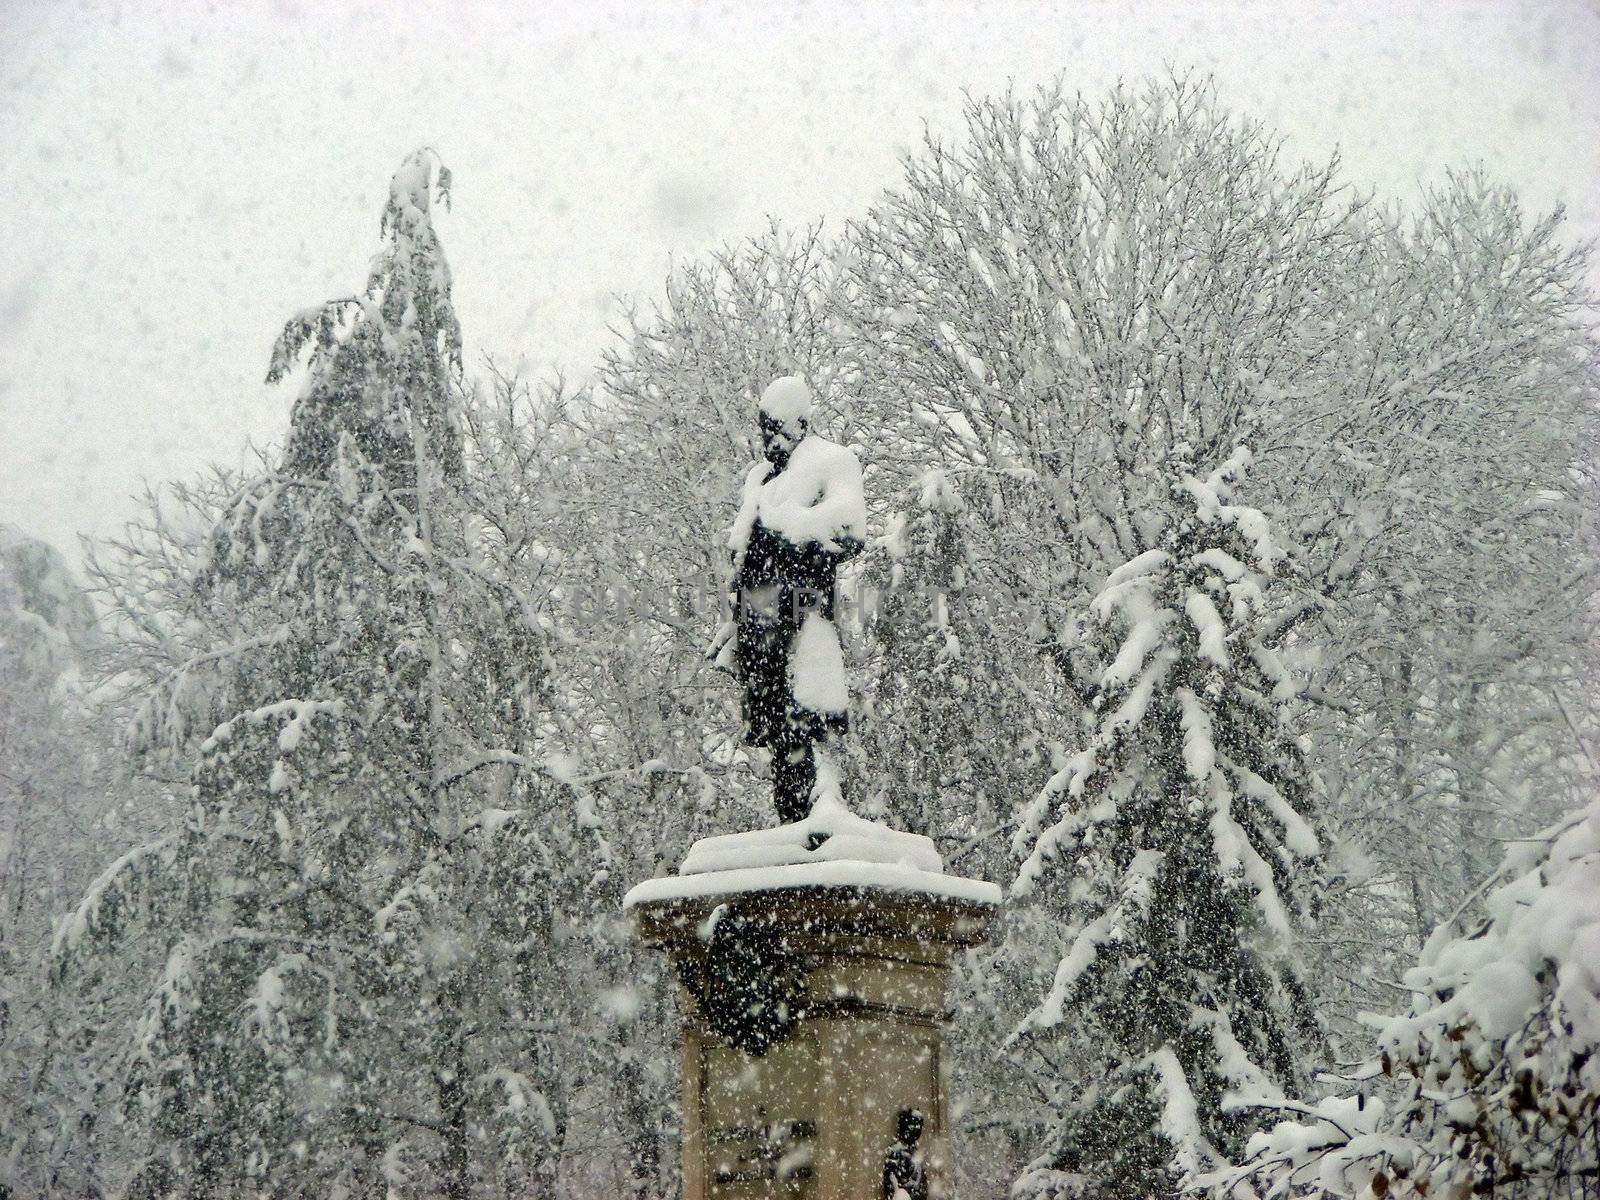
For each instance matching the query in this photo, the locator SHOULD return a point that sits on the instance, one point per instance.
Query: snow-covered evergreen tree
(1179, 849)
(365, 912)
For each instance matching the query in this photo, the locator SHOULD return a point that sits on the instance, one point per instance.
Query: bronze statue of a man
(803, 512)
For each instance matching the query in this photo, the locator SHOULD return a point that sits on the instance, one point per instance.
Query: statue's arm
(723, 647)
(893, 1175)
(722, 650)
(749, 505)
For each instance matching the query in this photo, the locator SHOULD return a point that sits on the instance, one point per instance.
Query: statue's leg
(793, 773)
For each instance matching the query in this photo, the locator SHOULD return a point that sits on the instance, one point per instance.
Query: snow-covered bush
(1489, 1084)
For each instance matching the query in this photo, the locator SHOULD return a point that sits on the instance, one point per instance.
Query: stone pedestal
(863, 950)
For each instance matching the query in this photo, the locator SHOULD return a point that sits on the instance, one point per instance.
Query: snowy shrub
(1489, 1084)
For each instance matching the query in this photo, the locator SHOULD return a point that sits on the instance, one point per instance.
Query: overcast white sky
(181, 177)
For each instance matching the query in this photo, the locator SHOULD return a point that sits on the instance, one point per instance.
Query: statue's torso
(796, 524)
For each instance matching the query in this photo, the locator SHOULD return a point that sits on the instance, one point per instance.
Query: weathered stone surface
(813, 1115)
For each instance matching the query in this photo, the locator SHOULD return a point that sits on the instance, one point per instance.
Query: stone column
(867, 950)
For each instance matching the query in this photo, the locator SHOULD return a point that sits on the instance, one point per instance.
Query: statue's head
(908, 1126)
(785, 415)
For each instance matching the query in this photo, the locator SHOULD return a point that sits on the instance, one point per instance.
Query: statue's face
(779, 438)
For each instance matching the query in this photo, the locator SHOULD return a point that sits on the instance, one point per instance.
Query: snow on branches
(381, 364)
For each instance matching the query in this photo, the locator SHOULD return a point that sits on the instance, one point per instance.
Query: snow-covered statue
(803, 513)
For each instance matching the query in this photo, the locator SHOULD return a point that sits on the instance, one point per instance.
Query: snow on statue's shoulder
(818, 497)
(830, 848)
